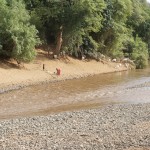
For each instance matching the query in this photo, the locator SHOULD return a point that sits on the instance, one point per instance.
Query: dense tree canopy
(117, 28)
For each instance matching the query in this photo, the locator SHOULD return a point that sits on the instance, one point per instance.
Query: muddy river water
(90, 92)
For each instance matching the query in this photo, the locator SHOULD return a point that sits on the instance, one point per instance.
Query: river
(90, 92)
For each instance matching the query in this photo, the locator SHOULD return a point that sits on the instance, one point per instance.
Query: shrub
(18, 37)
(140, 53)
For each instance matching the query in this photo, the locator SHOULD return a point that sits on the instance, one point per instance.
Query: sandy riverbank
(11, 77)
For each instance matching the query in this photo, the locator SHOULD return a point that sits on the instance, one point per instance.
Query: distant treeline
(116, 28)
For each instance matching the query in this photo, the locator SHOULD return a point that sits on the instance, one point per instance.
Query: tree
(67, 21)
(18, 37)
(114, 31)
(112, 27)
(140, 53)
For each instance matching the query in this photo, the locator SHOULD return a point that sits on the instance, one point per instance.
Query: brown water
(90, 92)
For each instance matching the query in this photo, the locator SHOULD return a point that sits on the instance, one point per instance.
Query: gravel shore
(114, 127)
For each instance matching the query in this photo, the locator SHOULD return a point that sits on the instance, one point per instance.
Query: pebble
(115, 127)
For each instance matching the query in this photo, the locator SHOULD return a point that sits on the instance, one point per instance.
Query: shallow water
(95, 91)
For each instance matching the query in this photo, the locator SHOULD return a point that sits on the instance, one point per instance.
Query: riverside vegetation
(114, 28)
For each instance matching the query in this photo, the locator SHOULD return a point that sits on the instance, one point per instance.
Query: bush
(140, 54)
(18, 37)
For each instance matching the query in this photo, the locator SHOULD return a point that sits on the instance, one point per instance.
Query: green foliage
(114, 30)
(78, 18)
(117, 28)
(18, 37)
(123, 21)
(140, 53)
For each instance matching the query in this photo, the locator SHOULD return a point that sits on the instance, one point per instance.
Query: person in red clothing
(58, 71)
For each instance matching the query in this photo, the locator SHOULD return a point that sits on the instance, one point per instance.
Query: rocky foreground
(113, 127)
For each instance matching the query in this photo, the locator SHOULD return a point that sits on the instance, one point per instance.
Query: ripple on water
(130, 87)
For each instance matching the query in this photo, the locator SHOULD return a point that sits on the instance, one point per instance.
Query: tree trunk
(59, 41)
